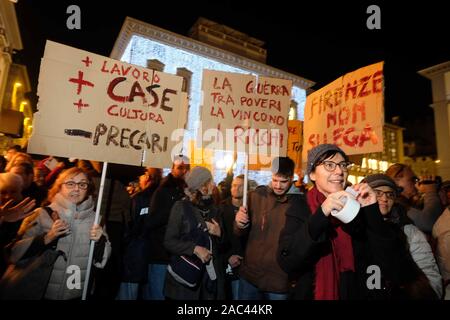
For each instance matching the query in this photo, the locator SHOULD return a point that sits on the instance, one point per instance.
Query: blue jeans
(154, 289)
(248, 291)
(235, 289)
(128, 291)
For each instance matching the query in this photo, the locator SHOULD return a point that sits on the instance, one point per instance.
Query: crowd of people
(184, 237)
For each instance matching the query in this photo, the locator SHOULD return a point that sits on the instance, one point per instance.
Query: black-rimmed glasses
(72, 184)
(331, 165)
(390, 195)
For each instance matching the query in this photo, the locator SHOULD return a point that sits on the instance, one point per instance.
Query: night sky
(317, 40)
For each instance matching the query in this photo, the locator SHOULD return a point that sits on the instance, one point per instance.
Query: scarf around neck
(339, 259)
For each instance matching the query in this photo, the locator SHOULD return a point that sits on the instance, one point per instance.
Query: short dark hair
(241, 176)
(326, 155)
(283, 166)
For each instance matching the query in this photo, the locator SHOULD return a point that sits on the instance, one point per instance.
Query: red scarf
(340, 259)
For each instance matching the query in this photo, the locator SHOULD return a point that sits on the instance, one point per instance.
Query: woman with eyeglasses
(420, 277)
(68, 226)
(327, 259)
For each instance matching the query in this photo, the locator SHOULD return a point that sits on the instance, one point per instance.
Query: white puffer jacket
(423, 256)
(75, 245)
(441, 232)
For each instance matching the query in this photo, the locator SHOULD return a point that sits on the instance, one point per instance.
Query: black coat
(232, 244)
(169, 191)
(136, 244)
(176, 243)
(305, 239)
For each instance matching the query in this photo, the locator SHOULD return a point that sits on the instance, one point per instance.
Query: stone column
(440, 82)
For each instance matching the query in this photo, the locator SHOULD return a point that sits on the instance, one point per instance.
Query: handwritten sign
(93, 107)
(295, 143)
(348, 112)
(294, 148)
(245, 110)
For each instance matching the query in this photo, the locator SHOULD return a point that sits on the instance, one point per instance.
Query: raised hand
(8, 213)
(366, 194)
(242, 219)
(334, 202)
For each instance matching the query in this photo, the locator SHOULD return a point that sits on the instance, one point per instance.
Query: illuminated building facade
(211, 46)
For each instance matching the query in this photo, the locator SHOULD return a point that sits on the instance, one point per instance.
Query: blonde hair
(72, 172)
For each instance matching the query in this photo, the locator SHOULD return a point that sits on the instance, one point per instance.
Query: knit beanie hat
(315, 153)
(197, 177)
(378, 180)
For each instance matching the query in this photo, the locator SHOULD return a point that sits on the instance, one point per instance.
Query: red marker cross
(80, 105)
(81, 82)
(87, 61)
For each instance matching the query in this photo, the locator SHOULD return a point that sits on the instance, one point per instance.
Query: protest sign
(93, 107)
(348, 112)
(246, 113)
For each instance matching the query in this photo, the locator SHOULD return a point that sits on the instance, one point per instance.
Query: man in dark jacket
(260, 275)
(135, 259)
(170, 191)
(232, 251)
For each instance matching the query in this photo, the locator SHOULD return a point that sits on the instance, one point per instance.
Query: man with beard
(262, 221)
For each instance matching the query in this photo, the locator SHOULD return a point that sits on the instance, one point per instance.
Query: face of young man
(237, 188)
(280, 184)
(179, 170)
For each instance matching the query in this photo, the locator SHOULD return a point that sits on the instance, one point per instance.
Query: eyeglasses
(389, 194)
(72, 184)
(331, 165)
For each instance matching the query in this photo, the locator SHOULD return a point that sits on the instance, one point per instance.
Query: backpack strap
(49, 211)
(195, 228)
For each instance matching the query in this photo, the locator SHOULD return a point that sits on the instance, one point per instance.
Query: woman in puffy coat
(69, 228)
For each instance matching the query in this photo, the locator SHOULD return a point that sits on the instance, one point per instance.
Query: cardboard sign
(245, 112)
(294, 148)
(348, 112)
(96, 108)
